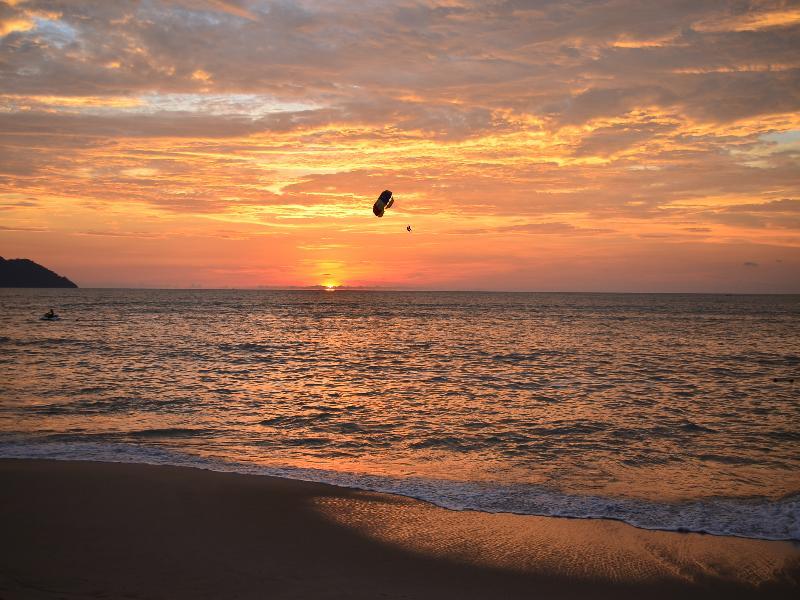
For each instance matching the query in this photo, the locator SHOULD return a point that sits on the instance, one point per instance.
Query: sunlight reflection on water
(665, 397)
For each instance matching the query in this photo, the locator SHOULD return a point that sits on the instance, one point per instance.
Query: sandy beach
(103, 530)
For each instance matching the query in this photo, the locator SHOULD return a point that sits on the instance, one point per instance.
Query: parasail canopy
(383, 202)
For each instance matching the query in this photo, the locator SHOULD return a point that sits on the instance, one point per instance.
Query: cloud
(604, 141)
(537, 228)
(131, 234)
(776, 214)
(23, 228)
(16, 205)
(583, 123)
(785, 205)
(237, 9)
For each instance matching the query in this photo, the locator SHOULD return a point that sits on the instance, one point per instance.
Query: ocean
(673, 412)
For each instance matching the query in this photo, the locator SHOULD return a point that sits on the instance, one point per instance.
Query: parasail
(383, 202)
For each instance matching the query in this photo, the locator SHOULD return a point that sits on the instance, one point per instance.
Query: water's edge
(753, 518)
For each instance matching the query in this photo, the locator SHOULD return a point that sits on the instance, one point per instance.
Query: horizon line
(321, 288)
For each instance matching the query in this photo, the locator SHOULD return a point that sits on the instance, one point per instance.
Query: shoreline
(84, 529)
(387, 485)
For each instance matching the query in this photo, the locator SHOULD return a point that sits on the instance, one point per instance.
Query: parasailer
(383, 202)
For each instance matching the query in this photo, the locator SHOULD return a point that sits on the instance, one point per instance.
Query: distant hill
(21, 272)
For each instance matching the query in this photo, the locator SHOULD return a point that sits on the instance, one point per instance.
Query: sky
(542, 145)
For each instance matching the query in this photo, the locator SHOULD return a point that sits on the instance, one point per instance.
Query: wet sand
(101, 530)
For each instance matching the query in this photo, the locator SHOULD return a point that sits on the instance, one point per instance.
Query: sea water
(673, 412)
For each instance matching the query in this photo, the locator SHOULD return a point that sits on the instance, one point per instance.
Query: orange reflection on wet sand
(577, 549)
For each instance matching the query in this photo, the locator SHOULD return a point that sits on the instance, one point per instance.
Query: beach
(76, 529)
(434, 300)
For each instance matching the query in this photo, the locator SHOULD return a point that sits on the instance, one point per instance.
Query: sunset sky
(571, 145)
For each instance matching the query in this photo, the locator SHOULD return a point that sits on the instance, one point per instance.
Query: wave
(757, 518)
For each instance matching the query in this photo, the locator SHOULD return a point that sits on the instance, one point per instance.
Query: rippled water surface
(668, 411)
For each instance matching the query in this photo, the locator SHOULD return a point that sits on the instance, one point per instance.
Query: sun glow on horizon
(331, 284)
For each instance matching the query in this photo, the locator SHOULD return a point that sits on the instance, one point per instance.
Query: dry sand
(98, 530)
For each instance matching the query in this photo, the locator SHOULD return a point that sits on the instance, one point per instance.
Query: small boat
(49, 317)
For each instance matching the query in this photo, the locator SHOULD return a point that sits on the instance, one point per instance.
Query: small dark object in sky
(408, 228)
(383, 202)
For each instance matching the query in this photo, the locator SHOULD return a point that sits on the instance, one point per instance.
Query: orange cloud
(12, 25)
(753, 21)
